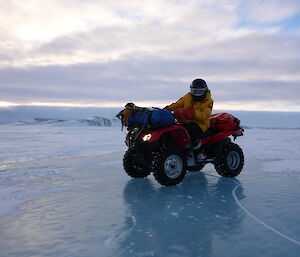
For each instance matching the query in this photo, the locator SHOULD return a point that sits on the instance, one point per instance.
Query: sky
(105, 53)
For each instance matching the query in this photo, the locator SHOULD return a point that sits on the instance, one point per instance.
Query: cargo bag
(224, 121)
(150, 118)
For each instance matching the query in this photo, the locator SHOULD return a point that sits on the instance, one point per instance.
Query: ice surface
(72, 138)
(63, 192)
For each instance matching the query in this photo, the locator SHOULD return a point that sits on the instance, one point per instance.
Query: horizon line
(5, 104)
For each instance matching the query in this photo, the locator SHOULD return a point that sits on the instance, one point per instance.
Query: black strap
(150, 119)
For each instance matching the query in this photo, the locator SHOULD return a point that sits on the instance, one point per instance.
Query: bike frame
(181, 137)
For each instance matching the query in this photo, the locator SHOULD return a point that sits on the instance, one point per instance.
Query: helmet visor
(198, 91)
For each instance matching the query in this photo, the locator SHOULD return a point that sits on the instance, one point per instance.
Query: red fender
(178, 133)
(220, 136)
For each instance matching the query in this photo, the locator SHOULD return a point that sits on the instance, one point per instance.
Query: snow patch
(175, 214)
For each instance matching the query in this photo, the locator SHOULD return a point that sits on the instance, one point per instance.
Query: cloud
(119, 51)
(269, 11)
(142, 78)
(111, 30)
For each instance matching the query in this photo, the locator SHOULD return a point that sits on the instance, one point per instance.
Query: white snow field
(63, 192)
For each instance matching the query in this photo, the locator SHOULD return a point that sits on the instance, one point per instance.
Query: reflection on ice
(179, 221)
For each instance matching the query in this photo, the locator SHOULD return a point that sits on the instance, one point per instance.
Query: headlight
(133, 131)
(147, 137)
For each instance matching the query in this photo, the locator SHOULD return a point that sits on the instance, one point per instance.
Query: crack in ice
(258, 220)
(255, 218)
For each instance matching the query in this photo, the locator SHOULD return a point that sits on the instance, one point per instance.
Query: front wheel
(169, 166)
(231, 161)
(132, 169)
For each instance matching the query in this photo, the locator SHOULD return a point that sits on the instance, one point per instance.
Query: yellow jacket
(202, 109)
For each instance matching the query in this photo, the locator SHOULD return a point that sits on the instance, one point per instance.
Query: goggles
(198, 91)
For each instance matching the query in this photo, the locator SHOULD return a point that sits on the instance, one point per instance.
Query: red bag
(224, 121)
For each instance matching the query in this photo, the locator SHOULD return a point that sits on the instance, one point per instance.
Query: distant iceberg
(94, 121)
(97, 121)
(38, 121)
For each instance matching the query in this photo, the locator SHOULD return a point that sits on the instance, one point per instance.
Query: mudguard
(177, 132)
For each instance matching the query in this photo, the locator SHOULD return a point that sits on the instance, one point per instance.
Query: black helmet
(198, 88)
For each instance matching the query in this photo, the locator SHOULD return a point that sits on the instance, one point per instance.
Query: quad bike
(168, 153)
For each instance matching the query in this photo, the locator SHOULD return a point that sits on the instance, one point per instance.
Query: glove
(178, 115)
(184, 114)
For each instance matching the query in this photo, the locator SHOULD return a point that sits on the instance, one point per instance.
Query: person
(194, 109)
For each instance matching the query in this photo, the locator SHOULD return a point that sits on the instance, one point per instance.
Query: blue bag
(151, 118)
(162, 118)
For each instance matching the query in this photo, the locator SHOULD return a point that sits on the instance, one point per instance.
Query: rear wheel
(132, 169)
(231, 162)
(169, 166)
